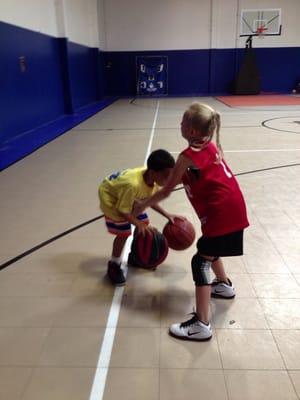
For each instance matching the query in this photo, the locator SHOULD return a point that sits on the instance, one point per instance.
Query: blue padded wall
(223, 67)
(28, 99)
(83, 71)
(205, 72)
(279, 68)
(188, 71)
(62, 86)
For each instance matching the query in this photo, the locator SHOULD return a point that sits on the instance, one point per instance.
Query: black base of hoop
(247, 80)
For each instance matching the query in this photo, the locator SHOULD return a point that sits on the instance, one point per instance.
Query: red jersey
(214, 192)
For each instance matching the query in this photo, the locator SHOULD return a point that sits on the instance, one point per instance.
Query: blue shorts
(123, 228)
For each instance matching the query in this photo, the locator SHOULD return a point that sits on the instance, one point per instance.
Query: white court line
(98, 387)
(249, 151)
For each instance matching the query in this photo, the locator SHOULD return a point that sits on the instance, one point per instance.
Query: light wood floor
(55, 303)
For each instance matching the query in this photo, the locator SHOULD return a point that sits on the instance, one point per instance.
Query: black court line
(222, 102)
(268, 169)
(60, 235)
(277, 129)
(39, 246)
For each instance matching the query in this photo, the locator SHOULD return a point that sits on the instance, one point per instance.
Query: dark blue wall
(62, 85)
(31, 98)
(188, 71)
(83, 72)
(279, 68)
(223, 67)
(205, 72)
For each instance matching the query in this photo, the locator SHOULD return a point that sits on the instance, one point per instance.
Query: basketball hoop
(260, 22)
(260, 32)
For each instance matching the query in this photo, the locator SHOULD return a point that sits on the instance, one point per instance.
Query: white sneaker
(193, 329)
(222, 290)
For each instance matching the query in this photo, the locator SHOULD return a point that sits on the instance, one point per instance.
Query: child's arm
(164, 213)
(141, 226)
(181, 165)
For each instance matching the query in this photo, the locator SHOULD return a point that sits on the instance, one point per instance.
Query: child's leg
(114, 270)
(118, 246)
(122, 229)
(198, 327)
(202, 302)
(201, 274)
(219, 271)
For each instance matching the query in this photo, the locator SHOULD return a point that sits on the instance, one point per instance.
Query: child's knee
(201, 267)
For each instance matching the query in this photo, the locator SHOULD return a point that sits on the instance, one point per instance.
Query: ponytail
(213, 127)
(217, 118)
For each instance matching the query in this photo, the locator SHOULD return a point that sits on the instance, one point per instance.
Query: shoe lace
(191, 321)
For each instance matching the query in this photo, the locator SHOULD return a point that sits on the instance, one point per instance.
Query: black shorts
(228, 245)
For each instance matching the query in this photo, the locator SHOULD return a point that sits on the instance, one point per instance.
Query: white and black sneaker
(222, 290)
(193, 329)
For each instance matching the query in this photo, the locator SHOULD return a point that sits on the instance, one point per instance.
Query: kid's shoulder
(134, 177)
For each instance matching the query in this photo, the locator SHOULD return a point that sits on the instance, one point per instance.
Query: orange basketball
(180, 235)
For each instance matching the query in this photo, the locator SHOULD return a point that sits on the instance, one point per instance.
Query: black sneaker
(115, 273)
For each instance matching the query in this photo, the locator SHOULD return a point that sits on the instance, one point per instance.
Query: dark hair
(159, 160)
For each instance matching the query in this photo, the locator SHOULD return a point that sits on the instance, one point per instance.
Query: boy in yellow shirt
(117, 194)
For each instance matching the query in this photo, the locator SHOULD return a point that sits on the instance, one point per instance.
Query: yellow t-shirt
(118, 192)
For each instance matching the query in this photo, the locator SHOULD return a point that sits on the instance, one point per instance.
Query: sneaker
(222, 289)
(115, 273)
(193, 329)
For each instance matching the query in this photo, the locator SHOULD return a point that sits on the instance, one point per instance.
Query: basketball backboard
(260, 22)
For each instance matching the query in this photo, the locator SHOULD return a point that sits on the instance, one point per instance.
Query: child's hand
(141, 228)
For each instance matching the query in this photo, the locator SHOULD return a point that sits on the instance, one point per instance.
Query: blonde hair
(206, 121)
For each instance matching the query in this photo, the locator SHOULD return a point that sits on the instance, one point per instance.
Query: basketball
(180, 235)
(150, 250)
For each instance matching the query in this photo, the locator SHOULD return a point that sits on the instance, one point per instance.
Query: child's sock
(116, 260)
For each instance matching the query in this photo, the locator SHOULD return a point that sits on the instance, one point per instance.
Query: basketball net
(261, 32)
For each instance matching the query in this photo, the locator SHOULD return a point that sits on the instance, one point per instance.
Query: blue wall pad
(83, 74)
(101, 74)
(279, 68)
(31, 98)
(152, 76)
(223, 67)
(48, 85)
(205, 72)
(20, 146)
(188, 71)
(65, 75)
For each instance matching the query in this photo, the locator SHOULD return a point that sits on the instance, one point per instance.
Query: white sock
(116, 260)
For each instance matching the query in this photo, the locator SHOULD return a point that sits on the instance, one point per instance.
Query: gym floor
(66, 334)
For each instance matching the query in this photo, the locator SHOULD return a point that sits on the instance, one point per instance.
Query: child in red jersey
(218, 201)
